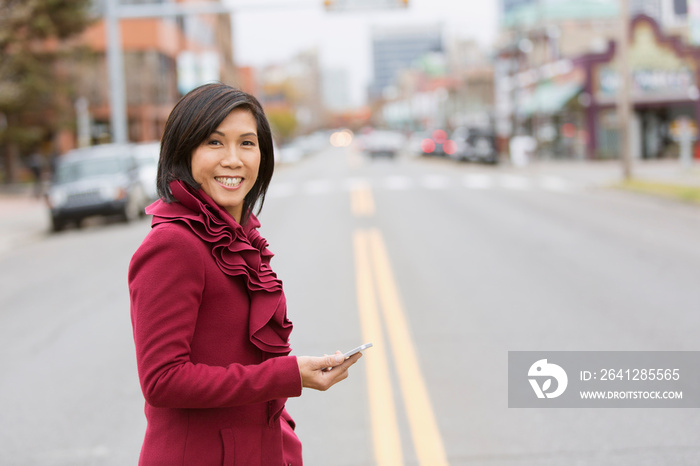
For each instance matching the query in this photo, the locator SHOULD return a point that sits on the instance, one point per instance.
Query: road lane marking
(355, 182)
(322, 186)
(477, 181)
(398, 182)
(424, 430)
(435, 182)
(361, 201)
(514, 182)
(385, 430)
(554, 183)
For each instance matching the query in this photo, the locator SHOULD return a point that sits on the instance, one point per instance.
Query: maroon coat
(211, 336)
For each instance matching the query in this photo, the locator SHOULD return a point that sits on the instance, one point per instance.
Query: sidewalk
(23, 217)
(610, 171)
(662, 178)
(668, 171)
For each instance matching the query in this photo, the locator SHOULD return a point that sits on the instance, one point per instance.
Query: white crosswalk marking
(317, 187)
(435, 182)
(478, 181)
(356, 183)
(471, 181)
(514, 182)
(554, 183)
(397, 182)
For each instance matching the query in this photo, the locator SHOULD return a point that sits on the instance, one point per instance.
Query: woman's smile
(229, 182)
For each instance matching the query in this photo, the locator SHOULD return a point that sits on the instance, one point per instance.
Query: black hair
(193, 119)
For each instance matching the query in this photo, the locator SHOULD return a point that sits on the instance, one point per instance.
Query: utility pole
(115, 59)
(115, 68)
(624, 109)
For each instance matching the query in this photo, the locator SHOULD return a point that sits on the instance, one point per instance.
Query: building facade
(395, 50)
(664, 81)
(556, 78)
(163, 57)
(292, 91)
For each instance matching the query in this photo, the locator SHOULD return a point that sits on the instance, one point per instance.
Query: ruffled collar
(238, 251)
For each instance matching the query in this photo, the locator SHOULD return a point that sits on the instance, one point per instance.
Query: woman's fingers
(321, 373)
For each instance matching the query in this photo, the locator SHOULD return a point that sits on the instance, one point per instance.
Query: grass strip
(690, 194)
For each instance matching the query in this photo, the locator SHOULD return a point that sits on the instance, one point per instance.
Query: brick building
(163, 58)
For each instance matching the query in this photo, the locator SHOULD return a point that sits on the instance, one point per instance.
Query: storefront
(547, 109)
(664, 90)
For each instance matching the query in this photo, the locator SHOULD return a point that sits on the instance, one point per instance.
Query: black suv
(475, 145)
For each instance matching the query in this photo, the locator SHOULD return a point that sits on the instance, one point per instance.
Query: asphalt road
(446, 267)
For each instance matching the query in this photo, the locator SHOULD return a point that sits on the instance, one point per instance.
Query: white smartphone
(351, 352)
(357, 350)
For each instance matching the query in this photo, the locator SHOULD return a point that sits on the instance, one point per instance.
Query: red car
(437, 143)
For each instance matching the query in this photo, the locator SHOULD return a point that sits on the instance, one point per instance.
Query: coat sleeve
(166, 280)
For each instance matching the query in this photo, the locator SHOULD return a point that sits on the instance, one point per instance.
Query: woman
(208, 313)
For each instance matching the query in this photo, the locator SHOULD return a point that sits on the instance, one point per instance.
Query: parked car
(146, 155)
(382, 143)
(475, 145)
(98, 180)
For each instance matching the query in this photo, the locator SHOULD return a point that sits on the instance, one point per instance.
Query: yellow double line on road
(361, 201)
(376, 288)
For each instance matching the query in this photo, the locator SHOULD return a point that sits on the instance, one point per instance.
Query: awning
(549, 98)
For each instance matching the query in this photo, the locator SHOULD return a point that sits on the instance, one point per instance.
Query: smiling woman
(209, 315)
(226, 163)
(206, 121)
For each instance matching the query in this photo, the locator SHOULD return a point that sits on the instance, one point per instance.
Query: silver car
(146, 155)
(383, 143)
(98, 180)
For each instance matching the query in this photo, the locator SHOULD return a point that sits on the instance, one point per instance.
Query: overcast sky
(276, 33)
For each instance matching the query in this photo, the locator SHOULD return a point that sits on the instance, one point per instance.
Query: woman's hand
(323, 373)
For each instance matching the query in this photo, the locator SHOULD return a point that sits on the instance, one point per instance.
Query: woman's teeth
(230, 182)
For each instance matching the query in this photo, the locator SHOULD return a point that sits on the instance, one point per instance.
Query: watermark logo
(603, 379)
(544, 371)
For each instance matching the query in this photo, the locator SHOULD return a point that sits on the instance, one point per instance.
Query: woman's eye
(248, 143)
(214, 142)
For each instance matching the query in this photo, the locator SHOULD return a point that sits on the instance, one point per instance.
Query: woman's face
(226, 164)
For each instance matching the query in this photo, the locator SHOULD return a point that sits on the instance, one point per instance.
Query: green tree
(283, 122)
(34, 71)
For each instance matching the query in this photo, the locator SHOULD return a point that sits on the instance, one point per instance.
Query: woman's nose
(231, 159)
